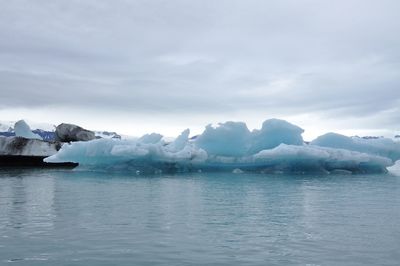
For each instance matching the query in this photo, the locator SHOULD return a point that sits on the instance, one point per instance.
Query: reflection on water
(26, 201)
(88, 218)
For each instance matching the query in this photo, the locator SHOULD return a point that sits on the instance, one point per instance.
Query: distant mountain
(46, 135)
(47, 131)
(7, 134)
(9, 126)
(6, 126)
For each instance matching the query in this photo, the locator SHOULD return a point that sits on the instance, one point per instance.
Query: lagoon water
(63, 217)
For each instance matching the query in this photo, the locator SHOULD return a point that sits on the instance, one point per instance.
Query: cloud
(210, 59)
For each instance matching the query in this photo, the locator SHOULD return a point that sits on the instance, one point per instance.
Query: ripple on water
(80, 218)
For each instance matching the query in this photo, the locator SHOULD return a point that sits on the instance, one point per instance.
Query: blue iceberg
(277, 147)
(379, 146)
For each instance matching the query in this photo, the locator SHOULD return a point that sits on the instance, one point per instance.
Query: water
(81, 218)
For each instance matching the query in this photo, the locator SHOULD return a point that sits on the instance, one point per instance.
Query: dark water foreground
(62, 217)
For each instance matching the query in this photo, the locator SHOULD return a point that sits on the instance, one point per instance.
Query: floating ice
(395, 169)
(314, 158)
(22, 129)
(235, 139)
(151, 138)
(228, 139)
(26, 147)
(273, 133)
(179, 143)
(276, 147)
(381, 146)
(70, 132)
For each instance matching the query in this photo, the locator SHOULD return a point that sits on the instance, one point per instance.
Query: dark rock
(107, 135)
(69, 132)
(372, 137)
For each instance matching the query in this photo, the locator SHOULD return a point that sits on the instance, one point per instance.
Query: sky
(163, 66)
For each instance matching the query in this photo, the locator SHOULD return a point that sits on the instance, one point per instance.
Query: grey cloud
(336, 58)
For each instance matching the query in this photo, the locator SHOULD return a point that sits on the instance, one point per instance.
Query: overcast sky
(140, 66)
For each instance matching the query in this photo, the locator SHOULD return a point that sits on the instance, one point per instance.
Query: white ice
(382, 146)
(26, 147)
(395, 169)
(22, 129)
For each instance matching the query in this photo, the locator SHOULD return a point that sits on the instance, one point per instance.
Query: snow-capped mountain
(47, 131)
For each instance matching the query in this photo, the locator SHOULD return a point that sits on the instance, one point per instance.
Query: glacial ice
(273, 133)
(151, 138)
(381, 146)
(277, 147)
(22, 129)
(179, 143)
(395, 169)
(235, 139)
(26, 147)
(70, 132)
(228, 139)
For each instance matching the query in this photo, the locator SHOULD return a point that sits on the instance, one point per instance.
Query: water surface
(57, 217)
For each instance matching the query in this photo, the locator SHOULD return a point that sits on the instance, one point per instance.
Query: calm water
(80, 218)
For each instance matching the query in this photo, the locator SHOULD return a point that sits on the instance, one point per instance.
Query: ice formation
(276, 147)
(235, 139)
(380, 146)
(273, 133)
(395, 169)
(26, 147)
(228, 139)
(70, 132)
(22, 129)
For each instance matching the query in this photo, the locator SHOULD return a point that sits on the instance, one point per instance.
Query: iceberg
(310, 158)
(18, 146)
(378, 146)
(273, 133)
(235, 139)
(277, 147)
(395, 169)
(69, 132)
(228, 139)
(23, 130)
